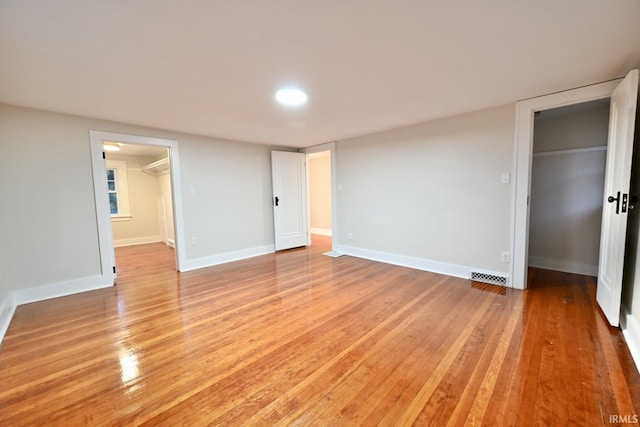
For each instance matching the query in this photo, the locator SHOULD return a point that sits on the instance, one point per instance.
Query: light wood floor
(305, 339)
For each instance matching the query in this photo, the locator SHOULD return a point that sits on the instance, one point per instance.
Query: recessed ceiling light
(291, 97)
(111, 146)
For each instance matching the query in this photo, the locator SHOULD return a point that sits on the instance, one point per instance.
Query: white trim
(105, 235)
(7, 309)
(454, 270)
(137, 241)
(209, 261)
(321, 231)
(570, 151)
(45, 292)
(523, 157)
(60, 289)
(631, 331)
(308, 201)
(564, 266)
(329, 146)
(319, 154)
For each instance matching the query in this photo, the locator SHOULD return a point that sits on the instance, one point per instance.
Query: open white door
(289, 199)
(616, 194)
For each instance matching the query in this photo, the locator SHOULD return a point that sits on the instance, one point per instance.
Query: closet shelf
(158, 167)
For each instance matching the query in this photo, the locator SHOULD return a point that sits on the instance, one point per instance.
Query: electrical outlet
(194, 240)
(505, 257)
(349, 236)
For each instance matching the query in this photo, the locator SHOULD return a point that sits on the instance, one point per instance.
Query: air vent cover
(493, 278)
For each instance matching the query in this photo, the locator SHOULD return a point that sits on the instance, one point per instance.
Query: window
(118, 190)
(113, 191)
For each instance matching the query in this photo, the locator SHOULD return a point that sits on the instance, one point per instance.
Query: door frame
(331, 147)
(105, 233)
(523, 153)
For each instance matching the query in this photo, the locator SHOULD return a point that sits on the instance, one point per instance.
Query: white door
(289, 199)
(616, 196)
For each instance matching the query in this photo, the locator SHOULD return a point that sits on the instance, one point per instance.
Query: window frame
(121, 189)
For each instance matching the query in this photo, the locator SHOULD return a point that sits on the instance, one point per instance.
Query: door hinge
(104, 156)
(114, 269)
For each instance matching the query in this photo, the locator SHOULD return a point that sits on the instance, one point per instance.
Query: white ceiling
(212, 67)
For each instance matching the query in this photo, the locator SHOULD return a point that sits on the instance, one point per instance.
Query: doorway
(525, 112)
(140, 197)
(322, 191)
(319, 184)
(567, 184)
(170, 188)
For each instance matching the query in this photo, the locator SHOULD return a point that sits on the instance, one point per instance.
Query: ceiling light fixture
(111, 146)
(291, 97)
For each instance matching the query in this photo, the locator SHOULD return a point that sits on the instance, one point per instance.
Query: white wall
(430, 193)
(6, 304)
(143, 191)
(320, 192)
(230, 207)
(583, 128)
(46, 158)
(52, 235)
(566, 191)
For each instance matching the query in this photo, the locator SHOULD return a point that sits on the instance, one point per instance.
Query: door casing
(105, 235)
(331, 147)
(523, 153)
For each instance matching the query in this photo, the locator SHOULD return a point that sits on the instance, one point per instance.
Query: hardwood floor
(305, 339)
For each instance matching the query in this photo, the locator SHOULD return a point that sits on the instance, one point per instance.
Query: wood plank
(301, 338)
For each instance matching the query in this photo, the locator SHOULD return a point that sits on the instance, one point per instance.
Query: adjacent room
(319, 213)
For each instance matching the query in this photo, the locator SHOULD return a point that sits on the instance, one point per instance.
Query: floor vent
(492, 278)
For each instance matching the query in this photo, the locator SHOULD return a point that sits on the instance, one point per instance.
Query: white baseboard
(44, 292)
(564, 266)
(136, 241)
(631, 330)
(170, 242)
(209, 261)
(321, 231)
(60, 289)
(454, 270)
(7, 308)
